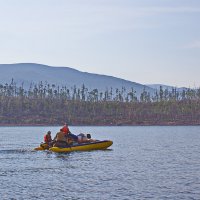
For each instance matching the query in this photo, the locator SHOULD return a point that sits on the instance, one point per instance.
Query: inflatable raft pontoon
(97, 145)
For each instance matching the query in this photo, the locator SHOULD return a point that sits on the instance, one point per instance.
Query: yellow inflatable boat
(43, 146)
(97, 145)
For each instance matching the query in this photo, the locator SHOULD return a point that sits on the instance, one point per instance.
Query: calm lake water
(143, 163)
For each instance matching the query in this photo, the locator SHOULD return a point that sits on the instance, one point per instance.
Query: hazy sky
(146, 41)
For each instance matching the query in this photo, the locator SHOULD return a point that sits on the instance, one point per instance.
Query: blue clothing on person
(74, 137)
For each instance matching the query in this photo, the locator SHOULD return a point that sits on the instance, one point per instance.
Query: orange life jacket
(65, 129)
(47, 138)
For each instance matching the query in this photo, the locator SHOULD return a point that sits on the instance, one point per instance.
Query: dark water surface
(143, 163)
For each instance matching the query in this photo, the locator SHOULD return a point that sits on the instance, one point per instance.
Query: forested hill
(28, 73)
(44, 104)
(32, 94)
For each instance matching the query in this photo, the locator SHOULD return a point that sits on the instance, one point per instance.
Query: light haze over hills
(28, 73)
(144, 41)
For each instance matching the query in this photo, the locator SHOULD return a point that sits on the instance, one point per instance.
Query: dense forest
(48, 104)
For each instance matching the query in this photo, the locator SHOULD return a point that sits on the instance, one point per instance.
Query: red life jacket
(47, 138)
(65, 129)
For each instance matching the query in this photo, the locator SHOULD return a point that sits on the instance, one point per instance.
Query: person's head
(49, 132)
(65, 124)
(88, 136)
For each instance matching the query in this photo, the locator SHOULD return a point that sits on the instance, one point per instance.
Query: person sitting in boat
(61, 139)
(83, 138)
(47, 138)
(66, 130)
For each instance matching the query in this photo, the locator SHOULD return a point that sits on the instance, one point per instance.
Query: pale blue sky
(146, 41)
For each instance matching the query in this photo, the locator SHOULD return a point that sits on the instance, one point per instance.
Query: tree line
(49, 104)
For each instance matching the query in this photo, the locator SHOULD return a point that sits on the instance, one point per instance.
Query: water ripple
(143, 163)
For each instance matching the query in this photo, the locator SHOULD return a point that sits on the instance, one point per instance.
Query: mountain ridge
(28, 73)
